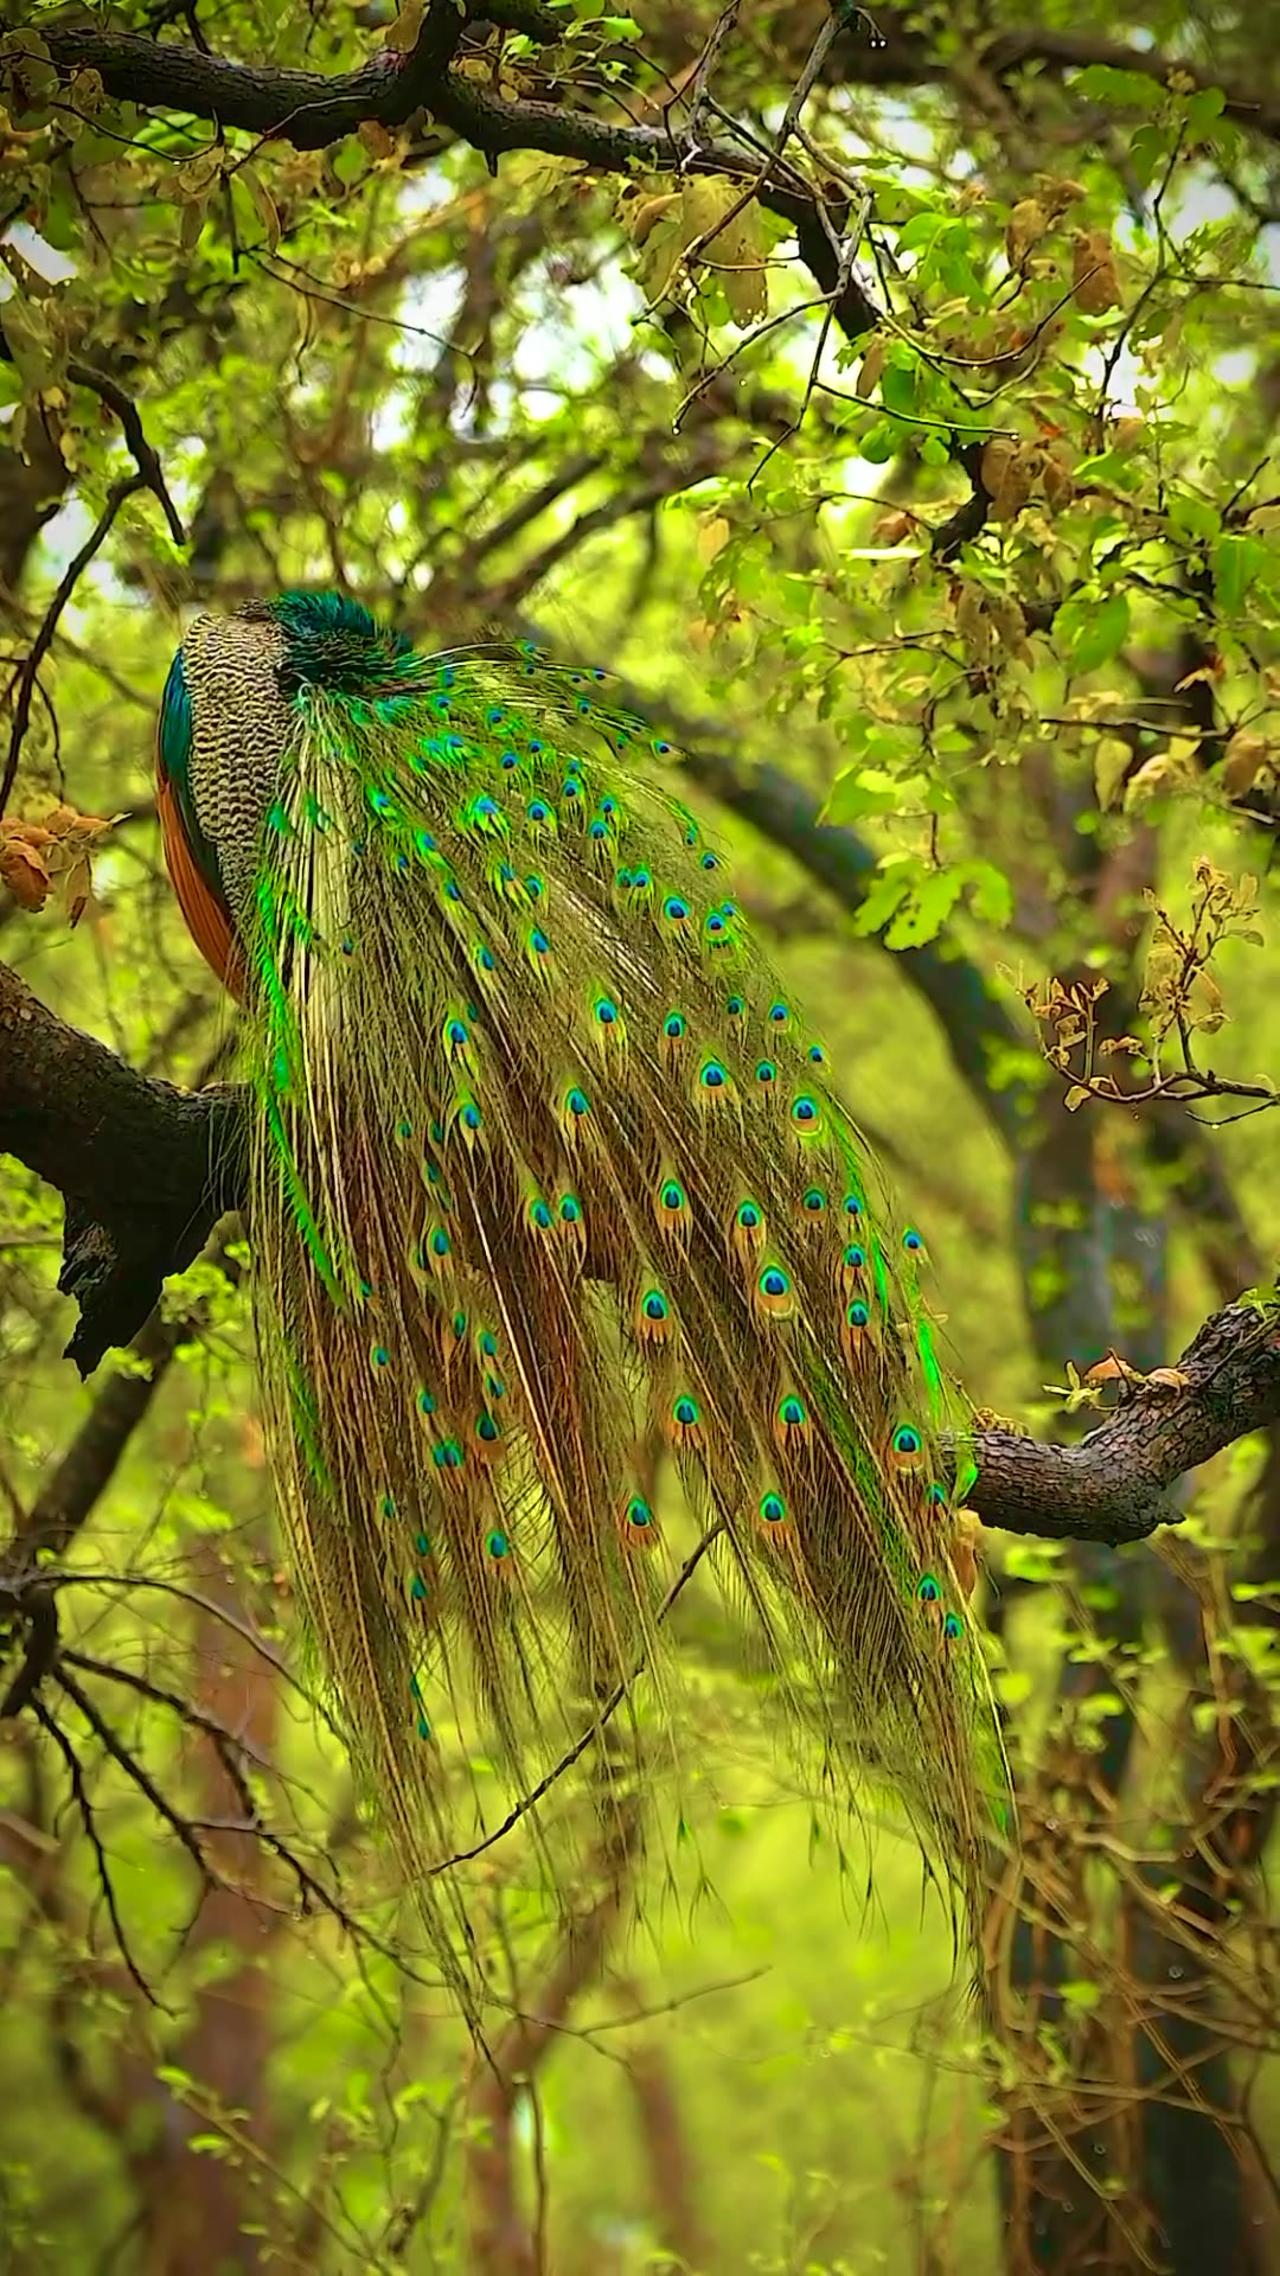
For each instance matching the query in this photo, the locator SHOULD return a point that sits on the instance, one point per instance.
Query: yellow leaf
(869, 371)
(1027, 225)
(403, 32)
(713, 536)
(1204, 1003)
(1076, 1097)
(1093, 269)
(1111, 763)
(375, 139)
(1246, 756)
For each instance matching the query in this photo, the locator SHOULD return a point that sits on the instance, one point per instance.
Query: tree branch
(1112, 1485)
(147, 1169)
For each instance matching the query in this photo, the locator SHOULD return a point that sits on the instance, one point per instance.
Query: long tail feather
(547, 1163)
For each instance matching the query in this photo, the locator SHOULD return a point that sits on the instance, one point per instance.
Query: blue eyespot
(928, 1590)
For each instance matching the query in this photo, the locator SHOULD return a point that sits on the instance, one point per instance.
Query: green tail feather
(547, 1162)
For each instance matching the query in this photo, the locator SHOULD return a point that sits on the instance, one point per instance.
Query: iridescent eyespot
(538, 810)
(675, 909)
(639, 1512)
(685, 1412)
(804, 1111)
(814, 1201)
(928, 1590)
(766, 1071)
(912, 1242)
(470, 1117)
(488, 1343)
(936, 1496)
(715, 926)
(571, 787)
(426, 1404)
(735, 1006)
(778, 1014)
(906, 1440)
(380, 1356)
(608, 805)
(606, 1011)
(660, 749)
(577, 1101)
(539, 943)
(673, 1026)
(510, 759)
(457, 1032)
(486, 809)
(540, 1214)
(672, 1195)
(952, 1627)
(772, 1509)
(641, 880)
(447, 1455)
(713, 1076)
(498, 1543)
(853, 1205)
(792, 1412)
(748, 1216)
(599, 831)
(570, 1209)
(487, 1429)
(440, 1242)
(774, 1282)
(655, 1305)
(858, 1315)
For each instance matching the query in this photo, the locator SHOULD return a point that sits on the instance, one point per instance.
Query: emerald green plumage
(548, 1169)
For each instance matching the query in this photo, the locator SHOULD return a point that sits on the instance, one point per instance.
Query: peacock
(547, 1170)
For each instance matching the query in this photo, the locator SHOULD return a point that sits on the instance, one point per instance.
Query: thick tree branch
(311, 112)
(146, 1169)
(1112, 1485)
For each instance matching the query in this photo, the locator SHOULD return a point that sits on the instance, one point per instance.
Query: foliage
(898, 427)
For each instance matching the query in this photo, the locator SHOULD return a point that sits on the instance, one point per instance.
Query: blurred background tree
(888, 400)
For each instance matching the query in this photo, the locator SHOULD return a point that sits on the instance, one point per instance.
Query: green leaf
(1193, 517)
(1237, 560)
(1081, 1994)
(1089, 633)
(1119, 90)
(1206, 105)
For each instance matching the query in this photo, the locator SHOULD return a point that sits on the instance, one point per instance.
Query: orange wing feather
(208, 923)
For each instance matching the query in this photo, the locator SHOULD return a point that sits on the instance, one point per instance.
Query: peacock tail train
(546, 1168)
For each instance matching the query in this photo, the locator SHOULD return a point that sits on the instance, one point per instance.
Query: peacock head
(329, 641)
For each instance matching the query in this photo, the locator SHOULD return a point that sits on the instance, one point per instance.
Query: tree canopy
(886, 399)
